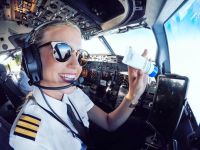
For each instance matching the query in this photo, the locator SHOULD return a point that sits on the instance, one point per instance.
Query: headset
(30, 54)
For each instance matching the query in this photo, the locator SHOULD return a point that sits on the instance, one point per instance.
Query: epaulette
(27, 126)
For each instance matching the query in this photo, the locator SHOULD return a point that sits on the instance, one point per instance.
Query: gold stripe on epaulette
(27, 125)
(25, 132)
(30, 119)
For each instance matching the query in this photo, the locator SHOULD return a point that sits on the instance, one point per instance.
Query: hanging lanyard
(77, 113)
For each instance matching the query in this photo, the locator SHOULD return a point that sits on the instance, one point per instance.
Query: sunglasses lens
(62, 52)
(83, 57)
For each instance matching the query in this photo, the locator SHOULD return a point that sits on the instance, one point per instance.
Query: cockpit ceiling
(91, 16)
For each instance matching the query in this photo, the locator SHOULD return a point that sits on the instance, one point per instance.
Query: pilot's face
(57, 73)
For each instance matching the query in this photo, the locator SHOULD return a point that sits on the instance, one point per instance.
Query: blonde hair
(38, 36)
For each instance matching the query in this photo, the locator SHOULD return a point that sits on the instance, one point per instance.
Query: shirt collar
(58, 106)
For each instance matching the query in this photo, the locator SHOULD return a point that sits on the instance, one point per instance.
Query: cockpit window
(12, 61)
(138, 39)
(183, 35)
(94, 46)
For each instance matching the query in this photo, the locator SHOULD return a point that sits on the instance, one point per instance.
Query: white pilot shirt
(35, 129)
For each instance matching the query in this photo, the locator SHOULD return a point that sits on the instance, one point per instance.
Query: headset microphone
(73, 83)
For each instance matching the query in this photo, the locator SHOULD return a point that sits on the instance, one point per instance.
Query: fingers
(135, 72)
(140, 73)
(132, 71)
(143, 76)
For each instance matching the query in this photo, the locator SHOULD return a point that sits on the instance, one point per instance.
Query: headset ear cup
(32, 63)
(38, 61)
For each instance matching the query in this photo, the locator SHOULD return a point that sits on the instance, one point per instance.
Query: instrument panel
(104, 68)
(106, 81)
(103, 75)
(32, 13)
(89, 15)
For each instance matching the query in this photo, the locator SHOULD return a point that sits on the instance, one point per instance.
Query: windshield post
(106, 44)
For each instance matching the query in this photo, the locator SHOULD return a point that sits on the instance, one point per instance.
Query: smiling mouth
(68, 77)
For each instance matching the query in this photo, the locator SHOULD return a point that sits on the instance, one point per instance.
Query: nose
(73, 60)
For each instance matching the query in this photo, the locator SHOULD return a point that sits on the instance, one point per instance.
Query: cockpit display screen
(168, 103)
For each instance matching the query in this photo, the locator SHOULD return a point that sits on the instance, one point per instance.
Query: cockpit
(167, 115)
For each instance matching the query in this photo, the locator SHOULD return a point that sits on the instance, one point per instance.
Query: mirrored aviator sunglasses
(62, 52)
